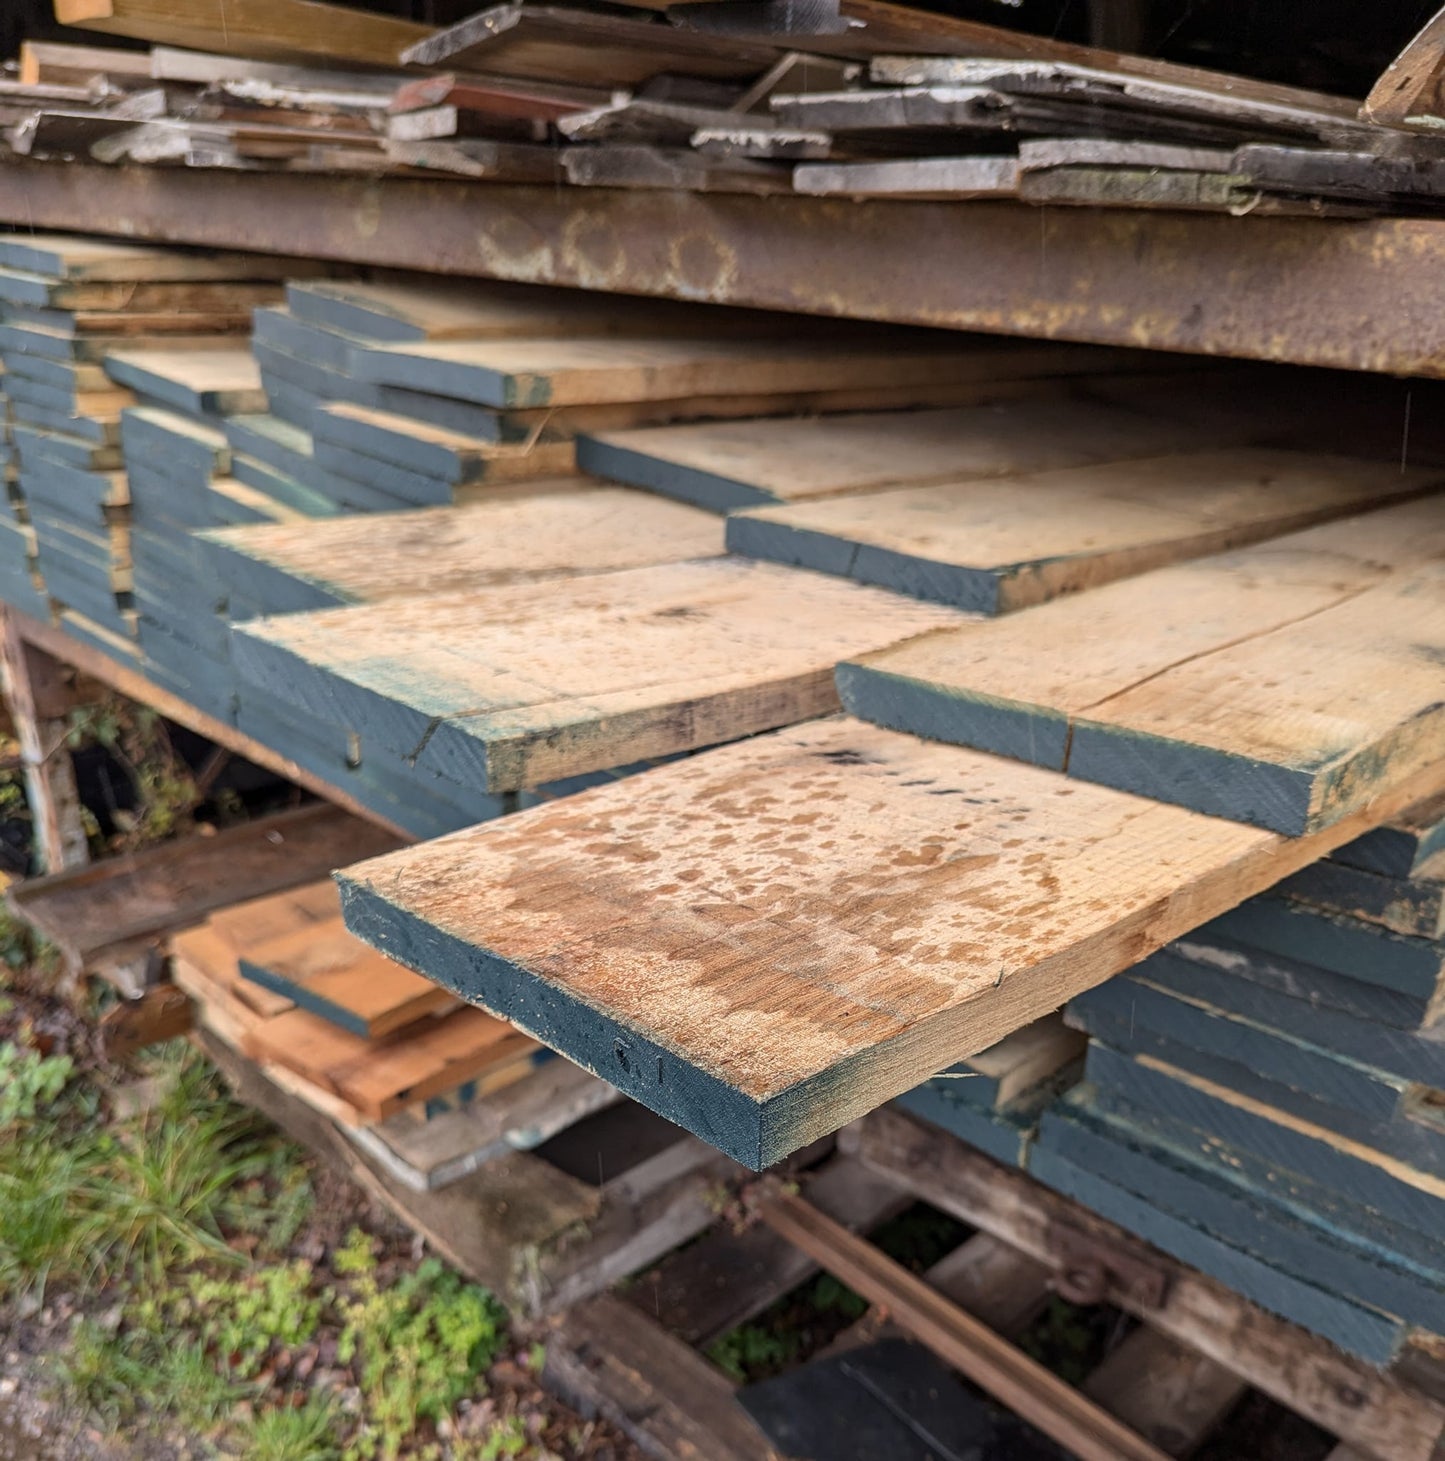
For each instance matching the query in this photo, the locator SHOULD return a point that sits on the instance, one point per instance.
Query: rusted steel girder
(1360, 295)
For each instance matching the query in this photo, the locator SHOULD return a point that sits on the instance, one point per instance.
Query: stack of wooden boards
(65, 305)
(282, 980)
(852, 97)
(1264, 1097)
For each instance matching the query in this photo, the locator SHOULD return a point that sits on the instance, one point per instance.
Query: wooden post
(39, 698)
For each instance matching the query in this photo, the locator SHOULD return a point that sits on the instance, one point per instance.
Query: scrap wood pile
(859, 98)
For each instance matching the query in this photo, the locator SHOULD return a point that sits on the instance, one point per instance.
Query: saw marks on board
(370, 557)
(1284, 684)
(764, 942)
(992, 546)
(506, 688)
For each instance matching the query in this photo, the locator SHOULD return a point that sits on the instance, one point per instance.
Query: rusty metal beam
(1358, 295)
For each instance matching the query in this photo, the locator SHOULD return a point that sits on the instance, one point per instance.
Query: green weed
(28, 1081)
(144, 1374)
(751, 1348)
(244, 1317)
(292, 1433)
(420, 1345)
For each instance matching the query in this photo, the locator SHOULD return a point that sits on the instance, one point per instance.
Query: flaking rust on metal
(1351, 294)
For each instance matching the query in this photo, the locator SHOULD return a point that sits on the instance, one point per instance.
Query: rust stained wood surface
(833, 913)
(1363, 295)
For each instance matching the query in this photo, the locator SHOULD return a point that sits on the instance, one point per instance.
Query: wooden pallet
(632, 1355)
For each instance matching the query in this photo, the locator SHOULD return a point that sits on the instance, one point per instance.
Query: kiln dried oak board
(1283, 684)
(519, 374)
(833, 913)
(274, 29)
(364, 559)
(727, 465)
(995, 546)
(505, 688)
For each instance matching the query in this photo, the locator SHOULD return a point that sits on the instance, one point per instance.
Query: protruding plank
(835, 913)
(438, 551)
(1283, 684)
(505, 688)
(279, 29)
(327, 971)
(552, 43)
(80, 259)
(926, 177)
(222, 382)
(996, 546)
(725, 465)
(176, 884)
(531, 373)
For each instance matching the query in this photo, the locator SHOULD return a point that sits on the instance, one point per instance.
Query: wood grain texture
(356, 560)
(995, 546)
(1408, 90)
(509, 687)
(562, 372)
(224, 381)
(380, 1078)
(1259, 691)
(92, 260)
(835, 913)
(325, 970)
(552, 43)
(726, 465)
(274, 29)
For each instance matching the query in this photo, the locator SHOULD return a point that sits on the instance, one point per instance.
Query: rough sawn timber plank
(366, 558)
(509, 687)
(1283, 684)
(833, 913)
(726, 465)
(993, 546)
(276, 29)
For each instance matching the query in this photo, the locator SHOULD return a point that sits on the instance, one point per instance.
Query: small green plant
(28, 1081)
(120, 1376)
(750, 1348)
(304, 1432)
(420, 1345)
(245, 1317)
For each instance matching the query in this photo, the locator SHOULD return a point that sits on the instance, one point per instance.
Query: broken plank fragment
(1248, 685)
(563, 372)
(509, 687)
(835, 913)
(994, 546)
